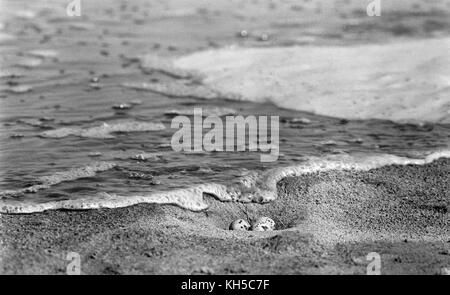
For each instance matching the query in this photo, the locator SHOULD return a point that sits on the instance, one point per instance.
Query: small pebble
(239, 224)
(263, 224)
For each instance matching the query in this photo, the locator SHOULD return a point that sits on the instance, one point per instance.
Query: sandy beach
(86, 121)
(326, 224)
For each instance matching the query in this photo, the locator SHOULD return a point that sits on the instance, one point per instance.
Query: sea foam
(175, 89)
(405, 81)
(72, 174)
(253, 187)
(104, 130)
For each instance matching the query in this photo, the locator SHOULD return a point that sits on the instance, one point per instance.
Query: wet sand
(326, 224)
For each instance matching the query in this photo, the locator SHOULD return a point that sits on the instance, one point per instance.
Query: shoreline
(326, 223)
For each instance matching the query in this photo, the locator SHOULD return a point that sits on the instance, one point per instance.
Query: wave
(405, 81)
(254, 187)
(104, 130)
(70, 175)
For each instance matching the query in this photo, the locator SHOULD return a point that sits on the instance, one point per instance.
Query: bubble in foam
(17, 89)
(29, 62)
(43, 53)
(147, 156)
(105, 130)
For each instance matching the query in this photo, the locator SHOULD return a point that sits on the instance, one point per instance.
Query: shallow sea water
(61, 72)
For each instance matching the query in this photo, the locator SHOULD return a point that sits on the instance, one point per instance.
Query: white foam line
(104, 130)
(253, 188)
(191, 199)
(346, 162)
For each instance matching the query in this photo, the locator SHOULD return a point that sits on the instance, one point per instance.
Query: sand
(326, 224)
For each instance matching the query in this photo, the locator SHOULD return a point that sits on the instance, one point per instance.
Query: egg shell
(239, 224)
(263, 224)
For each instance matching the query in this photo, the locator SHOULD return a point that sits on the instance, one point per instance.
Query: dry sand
(326, 224)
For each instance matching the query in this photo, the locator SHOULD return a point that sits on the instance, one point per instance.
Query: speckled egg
(263, 224)
(239, 224)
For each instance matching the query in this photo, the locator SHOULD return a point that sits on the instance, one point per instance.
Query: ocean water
(87, 103)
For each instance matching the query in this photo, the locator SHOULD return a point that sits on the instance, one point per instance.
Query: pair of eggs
(261, 224)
